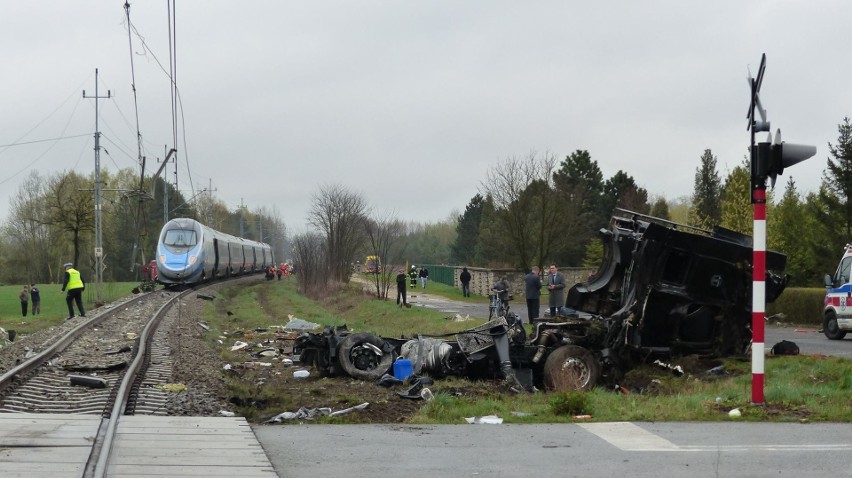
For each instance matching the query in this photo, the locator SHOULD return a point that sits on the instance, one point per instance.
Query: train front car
(180, 252)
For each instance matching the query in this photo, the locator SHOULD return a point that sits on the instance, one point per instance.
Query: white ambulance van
(837, 315)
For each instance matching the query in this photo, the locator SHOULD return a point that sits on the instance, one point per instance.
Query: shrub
(568, 403)
(799, 305)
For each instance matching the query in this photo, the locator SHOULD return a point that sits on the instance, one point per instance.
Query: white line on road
(630, 437)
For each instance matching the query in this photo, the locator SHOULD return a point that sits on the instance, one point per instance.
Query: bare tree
(310, 260)
(384, 236)
(339, 214)
(71, 205)
(527, 207)
(29, 228)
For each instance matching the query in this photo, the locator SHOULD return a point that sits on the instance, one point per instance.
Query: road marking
(630, 437)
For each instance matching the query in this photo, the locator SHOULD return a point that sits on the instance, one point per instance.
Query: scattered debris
(238, 346)
(486, 420)
(171, 387)
(388, 380)
(458, 318)
(87, 381)
(417, 384)
(720, 370)
(676, 369)
(226, 413)
(205, 296)
(131, 335)
(581, 417)
(299, 324)
(785, 347)
(301, 374)
(735, 413)
(121, 350)
(203, 326)
(346, 411)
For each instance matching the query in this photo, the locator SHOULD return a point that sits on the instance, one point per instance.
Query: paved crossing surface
(36, 445)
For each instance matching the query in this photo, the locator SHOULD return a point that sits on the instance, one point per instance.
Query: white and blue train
(189, 252)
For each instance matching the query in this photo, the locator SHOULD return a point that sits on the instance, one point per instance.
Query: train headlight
(192, 259)
(162, 259)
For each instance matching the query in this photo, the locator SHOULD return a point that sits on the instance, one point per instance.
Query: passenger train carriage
(190, 252)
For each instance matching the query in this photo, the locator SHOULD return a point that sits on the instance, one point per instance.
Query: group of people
(72, 283)
(27, 295)
(414, 274)
(281, 271)
(533, 284)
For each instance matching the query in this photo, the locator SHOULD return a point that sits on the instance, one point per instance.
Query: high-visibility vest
(74, 280)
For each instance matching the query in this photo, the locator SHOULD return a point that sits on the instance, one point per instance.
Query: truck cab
(837, 313)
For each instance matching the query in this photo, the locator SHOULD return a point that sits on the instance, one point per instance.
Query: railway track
(116, 363)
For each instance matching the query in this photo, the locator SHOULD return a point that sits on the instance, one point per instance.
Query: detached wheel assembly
(571, 367)
(361, 356)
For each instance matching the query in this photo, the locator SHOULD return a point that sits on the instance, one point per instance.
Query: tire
(571, 367)
(830, 327)
(360, 361)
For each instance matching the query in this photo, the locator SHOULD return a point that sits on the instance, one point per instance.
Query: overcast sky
(411, 102)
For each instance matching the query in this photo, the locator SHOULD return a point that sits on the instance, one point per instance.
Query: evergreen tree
(660, 208)
(621, 191)
(706, 210)
(790, 231)
(580, 187)
(467, 232)
(837, 179)
(737, 209)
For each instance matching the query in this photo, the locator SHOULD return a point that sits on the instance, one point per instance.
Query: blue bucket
(402, 369)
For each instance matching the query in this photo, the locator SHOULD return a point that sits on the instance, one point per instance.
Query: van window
(180, 238)
(843, 270)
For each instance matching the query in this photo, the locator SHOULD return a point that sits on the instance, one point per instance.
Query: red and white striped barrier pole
(758, 294)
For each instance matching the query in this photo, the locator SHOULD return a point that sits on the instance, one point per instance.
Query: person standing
(424, 276)
(556, 288)
(280, 271)
(532, 291)
(401, 279)
(75, 285)
(503, 290)
(413, 276)
(35, 297)
(24, 295)
(464, 278)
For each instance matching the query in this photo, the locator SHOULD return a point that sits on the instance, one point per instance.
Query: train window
(180, 237)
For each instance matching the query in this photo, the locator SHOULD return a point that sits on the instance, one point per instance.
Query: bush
(568, 403)
(799, 305)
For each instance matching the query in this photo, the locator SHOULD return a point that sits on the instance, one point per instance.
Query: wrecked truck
(663, 290)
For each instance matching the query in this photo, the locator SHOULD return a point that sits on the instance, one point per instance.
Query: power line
(21, 143)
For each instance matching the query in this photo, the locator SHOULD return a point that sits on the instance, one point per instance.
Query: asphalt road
(658, 450)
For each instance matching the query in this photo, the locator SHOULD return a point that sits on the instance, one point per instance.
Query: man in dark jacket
(35, 295)
(424, 276)
(556, 288)
(532, 291)
(401, 279)
(464, 278)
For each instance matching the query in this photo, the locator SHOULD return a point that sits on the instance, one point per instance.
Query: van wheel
(359, 359)
(571, 367)
(830, 327)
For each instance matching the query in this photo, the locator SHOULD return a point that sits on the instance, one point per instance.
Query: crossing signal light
(772, 158)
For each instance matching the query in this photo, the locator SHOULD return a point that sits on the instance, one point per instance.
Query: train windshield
(180, 238)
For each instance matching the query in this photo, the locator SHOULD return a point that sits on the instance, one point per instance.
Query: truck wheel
(359, 359)
(571, 367)
(830, 327)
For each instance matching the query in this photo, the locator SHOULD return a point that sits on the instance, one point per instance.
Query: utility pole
(210, 202)
(99, 250)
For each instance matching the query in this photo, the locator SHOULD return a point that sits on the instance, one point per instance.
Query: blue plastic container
(402, 369)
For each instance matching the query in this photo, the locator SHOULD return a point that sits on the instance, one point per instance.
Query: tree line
(52, 221)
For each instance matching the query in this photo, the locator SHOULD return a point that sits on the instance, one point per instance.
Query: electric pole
(99, 250)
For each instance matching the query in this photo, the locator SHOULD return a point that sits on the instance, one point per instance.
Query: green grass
(797, 387)
(53, 307)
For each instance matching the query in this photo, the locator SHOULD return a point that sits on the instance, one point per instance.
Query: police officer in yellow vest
(75, 285)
